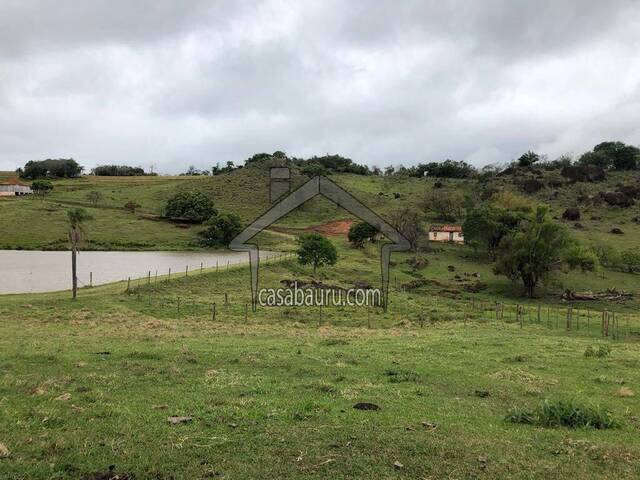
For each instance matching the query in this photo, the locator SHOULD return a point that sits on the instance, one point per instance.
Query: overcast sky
(179, 83)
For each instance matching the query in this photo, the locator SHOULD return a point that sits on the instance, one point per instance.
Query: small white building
(446, 233)
(14, 188)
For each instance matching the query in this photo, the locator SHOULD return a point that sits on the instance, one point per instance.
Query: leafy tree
(117, 171)
(221, 229)
(621, 156)
(599, 159)
(95, 197)
(533, 251)
(361, 232)
(407, 222)
(447, 206)
(189, 207)
(54, 168)
(528, 159)
(313, 169)
(316, 250)
(631, 260)
(447, 169)
(486, 225)
(41, 187)
(76, 217)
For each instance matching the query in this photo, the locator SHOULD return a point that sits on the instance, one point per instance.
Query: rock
(571, 213)
(531, 185)
(178, 420)
(397, 464)
(429, 425)
(4, 451)
(583, 173)
(617, 199)
(481, 393)
(617, 231)
(451, 268)
(366, 406)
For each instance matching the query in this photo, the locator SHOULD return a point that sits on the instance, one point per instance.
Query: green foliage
(407, 222)
(533, 251)
(486, 225)
(313, 169)
(630, 259)
(528, 159)
(598, 159)
(190, 207)
(360, 232)
(568, 414)
(77, 217)
(602, 351)
(221, 229)
(446, 169)
(55, 168)
(117, 171)
(446, 205)
(41, 187)
(316, 250)
(580, 257)
(613, 154)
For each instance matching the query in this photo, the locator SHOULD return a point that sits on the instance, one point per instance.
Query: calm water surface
(24, 271)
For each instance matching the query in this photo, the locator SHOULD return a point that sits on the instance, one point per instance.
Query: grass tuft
(562, 413)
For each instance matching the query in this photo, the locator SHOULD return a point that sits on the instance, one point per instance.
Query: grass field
(90, 384)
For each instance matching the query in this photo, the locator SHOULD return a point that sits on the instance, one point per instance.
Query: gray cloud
(199, 82)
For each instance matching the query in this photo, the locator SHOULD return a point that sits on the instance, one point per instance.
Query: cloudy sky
(179, 83)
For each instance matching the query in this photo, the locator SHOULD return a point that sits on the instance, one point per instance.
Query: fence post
(90, 279)
(226, 299)
(246, 312)
(149, 278)
(128, 284)
(169, 274)
(539, 307)
(186, 270)
(213, 312)
(216, 265)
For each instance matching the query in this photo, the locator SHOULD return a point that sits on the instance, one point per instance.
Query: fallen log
(610, 294)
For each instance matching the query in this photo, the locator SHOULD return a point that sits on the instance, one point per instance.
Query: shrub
(131, 206)
(189, 207)
(601, 352)
(316, 250)
(221, 229)
(360, 232)
(581, 257)
(41, 187)
(568, 414)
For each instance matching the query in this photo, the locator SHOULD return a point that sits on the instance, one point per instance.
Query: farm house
(446, 233)
(14, 188)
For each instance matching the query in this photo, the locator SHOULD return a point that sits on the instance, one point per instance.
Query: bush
(131, 206)
(117, 171)
(360, 232)
(221, 229)
(568, 414)
(41, 187)
(189, 207)
(316, 250)
(601, 352)
(581, 257)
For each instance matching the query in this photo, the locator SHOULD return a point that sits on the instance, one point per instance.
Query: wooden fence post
(213, 312)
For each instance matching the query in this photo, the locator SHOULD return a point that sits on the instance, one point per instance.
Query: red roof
(445, 228)
(14, 181)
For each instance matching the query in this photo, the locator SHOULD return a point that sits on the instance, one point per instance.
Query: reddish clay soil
(335, 228)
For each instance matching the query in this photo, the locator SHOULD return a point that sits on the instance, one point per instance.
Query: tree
(361, 232)
(316, 250)
(41, 187)
(95, 197)
(621, 156)
(528, 159)
(221, 229)
(77, 217)
(486, 225)
(313, 169)
(407, 222)
(447, 206)
(533, 251)
(189, 207)
(54, 168)
(599, 159)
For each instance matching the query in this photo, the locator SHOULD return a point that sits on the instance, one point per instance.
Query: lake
(23, 271)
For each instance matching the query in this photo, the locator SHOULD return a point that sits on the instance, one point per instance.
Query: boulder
(631, 191)
(617, 199)
(583, 173)
(531, 185)
(617, 231)
(572, 214)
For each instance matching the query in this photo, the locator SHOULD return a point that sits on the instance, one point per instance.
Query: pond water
(23, 271)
